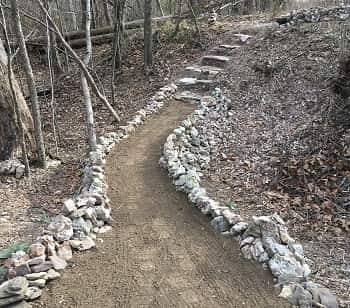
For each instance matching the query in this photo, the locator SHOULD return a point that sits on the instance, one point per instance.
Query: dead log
(75, 35)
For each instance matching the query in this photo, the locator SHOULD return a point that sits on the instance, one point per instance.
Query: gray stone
(245, 250)
(301, 297)
(231, 217)
(61, 228)
(322, 295)
(272, 247)
(39, 283)
(103, 213)
(214, 60)
(36, 250)
(21, 304)
(252, 230)
(7, 301)
(257, 249)
(36, 276)
(64, 251)
(247, 241)
(80, 224)
(52, 275)
(22, 269)
(243, 38)
(58, 263)
(81, 245)
(68, 207)
(229, 46)
(43, 267)
(239, 228)
(220, 224)
(286, 268)
(15, 286)
(36, 261)
(104, 229)
(32, 293)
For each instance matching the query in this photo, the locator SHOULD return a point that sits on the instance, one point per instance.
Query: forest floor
(286, 151)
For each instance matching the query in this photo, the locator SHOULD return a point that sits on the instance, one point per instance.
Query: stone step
(242, 38)
(188, 81)
(230, 47)
(211, 60)
(188, 97)
(202, 72)
(219, 51)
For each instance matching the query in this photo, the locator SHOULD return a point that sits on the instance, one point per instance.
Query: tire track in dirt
(161, 251)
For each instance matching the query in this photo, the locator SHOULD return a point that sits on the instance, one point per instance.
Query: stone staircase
(209, 68)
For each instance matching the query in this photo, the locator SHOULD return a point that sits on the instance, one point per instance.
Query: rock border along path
(264, 239)
(82, 218)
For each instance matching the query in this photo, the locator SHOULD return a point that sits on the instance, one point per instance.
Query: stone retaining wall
(82, 218)
(318, 14)
(265, 239)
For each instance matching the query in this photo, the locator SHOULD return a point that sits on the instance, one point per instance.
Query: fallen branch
(74, 35)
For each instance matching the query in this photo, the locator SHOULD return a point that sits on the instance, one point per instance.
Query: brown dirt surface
(161, 251)
(286, 148)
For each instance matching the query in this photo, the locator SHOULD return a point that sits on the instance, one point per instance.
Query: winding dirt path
(161, 252)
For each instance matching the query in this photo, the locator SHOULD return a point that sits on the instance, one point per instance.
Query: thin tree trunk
(148, 57)
(73, 16)
(107, 13)
(93, 15)
(194, 18)
(118, 12)
(82, 66)
(87, 97)
(55, 57)
(83, 16)
(31, 84)
(159, 4)
(178, 15)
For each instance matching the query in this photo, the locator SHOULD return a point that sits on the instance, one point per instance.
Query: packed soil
(286, 149)
(161, 252)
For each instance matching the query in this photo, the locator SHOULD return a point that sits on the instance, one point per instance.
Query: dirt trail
(161, 252)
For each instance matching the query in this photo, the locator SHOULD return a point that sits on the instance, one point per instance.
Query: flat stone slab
(230, 47)
(243, 38)
(188, 97)
(188, 81)
(213, 60)
(202, 72)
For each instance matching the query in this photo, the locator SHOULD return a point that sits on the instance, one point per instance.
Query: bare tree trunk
(87, 97)
(107, 14)
(31, 84)
(178, 15)
(11, 79)
(73, 16)
(159, 4)
(81, 65)
(194, 18)
(148, 57)
(93, 14)
(55, 57)
(118, 12)
(83, 16)
(8, 137)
